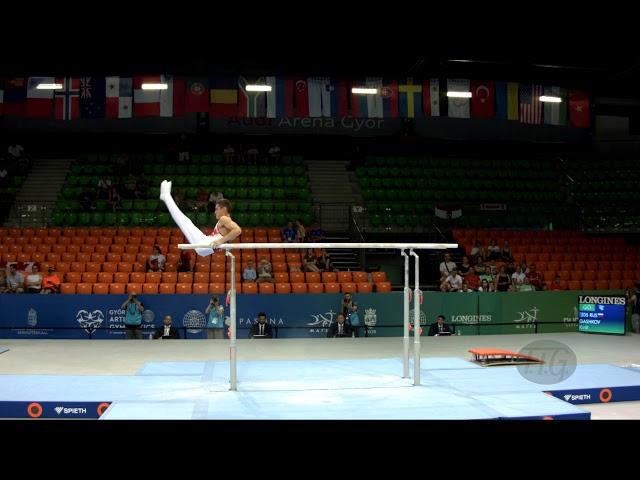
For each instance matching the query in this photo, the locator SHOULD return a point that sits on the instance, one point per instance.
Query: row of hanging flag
(124, 97)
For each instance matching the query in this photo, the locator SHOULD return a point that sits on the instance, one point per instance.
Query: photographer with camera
(215, 319)
(133, 316)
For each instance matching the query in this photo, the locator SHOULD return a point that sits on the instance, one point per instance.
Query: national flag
(251, 104)
(507, 100)
(280, 98)
(458, 107)
(15, 92)
(483, 99)
(39, 102)
(66, 101)
(555, 113)
(579, 109)
(197, 95)
(335, 99)
(92, 97)
(389, 96)
(530, 104)
(409, 99)
(172, 100)
(448, 211)
(119, 95)
(224, 97)
(431, 97)
(367, 105)
(315, 86)
(301, 97)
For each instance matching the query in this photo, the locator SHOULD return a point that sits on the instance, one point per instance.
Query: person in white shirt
(15, 150)
(517, 278)
(453, 283)
(447, 266)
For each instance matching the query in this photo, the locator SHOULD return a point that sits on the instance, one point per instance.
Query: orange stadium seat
(68, 288)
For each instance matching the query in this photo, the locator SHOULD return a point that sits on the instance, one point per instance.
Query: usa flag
(530, 105)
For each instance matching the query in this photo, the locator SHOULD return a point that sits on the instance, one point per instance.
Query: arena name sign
(345, 125)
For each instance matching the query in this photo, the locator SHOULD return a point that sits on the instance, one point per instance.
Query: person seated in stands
(213, 198)
(261, 329)
(15, 151)
(274, 153)
(167, 330)
(185, 263)
(517, 278)
(535, 278)
(485, 286)
(114, 199)
(51, 282)
(340, 328)
(452, 283)
(301, 233)
(502, 281)
(249, 273)
(472, 280)
(264, 272)
(130, 186)
(464, 268)
(556, 284)
(229, 154)
(289, 233)
(439, 328)
(485, 274)
(155, 263)
(526, 286)
(33, 282)
(447, 266)
(493, 251)
(104, 185)
(183, 149)
(15, 280)
(506, 252)
(477, 250)
(510, 268)
(465, 288)
(323, 262)
(252, 155)
(309, 262)
(316, 234)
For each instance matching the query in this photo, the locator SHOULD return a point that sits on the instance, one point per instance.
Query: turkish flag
(579, 109)
(483, 98)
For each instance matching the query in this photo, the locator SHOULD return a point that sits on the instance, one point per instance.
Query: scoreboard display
(602, 314)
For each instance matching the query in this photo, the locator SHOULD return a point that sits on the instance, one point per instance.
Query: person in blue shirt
(133, 317)
(289, 233)
(354, 319)
(249, 274)
(215, 319)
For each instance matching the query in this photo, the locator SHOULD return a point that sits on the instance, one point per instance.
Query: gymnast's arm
(234, 231)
